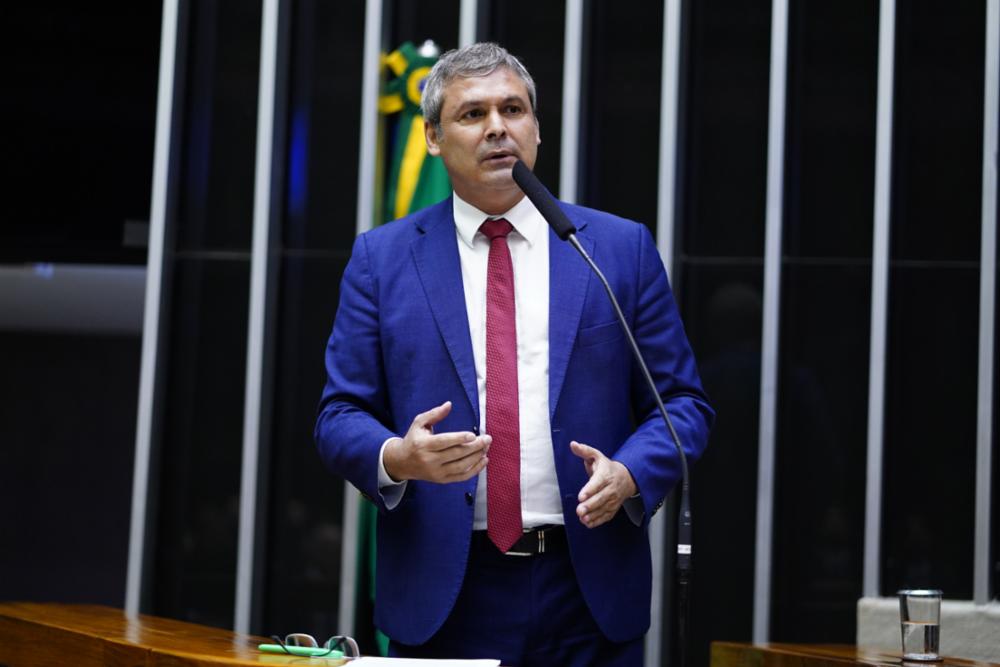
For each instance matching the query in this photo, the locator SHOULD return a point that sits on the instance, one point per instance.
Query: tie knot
(494, 229)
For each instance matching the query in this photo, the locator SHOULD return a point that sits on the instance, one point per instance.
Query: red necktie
(503, 475)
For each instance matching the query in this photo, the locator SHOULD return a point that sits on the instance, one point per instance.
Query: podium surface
(732, 654)
(72, 634)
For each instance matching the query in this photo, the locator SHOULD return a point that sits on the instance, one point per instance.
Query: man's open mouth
(499, 156)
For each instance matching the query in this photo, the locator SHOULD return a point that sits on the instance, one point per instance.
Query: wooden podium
(35, 634)
(731, 654)
(90, 635)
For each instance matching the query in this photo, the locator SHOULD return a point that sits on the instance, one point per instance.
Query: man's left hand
(610, 485)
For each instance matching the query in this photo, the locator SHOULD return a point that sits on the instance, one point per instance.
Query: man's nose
(495, 125)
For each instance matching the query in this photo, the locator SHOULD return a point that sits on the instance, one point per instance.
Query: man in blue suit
(481, 393)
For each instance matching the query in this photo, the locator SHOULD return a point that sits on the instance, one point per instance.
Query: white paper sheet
(414, 662)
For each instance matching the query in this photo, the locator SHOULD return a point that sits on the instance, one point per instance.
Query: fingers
(584, 451)
(591, 460)
(466, 467)
(602, 496)
(438, 442)
(440, 457)
(462, 462)
(453, 463)
(597, 517)
(594, 499)
(597, 482)
(598, 508)
(601, 507)
(432, 416)
(475, 448)
(589, 455)
(422, 434)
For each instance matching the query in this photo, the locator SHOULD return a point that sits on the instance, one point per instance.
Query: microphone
(566, 230)
(543, 201)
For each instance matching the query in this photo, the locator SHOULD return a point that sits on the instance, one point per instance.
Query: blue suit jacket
(400, 345)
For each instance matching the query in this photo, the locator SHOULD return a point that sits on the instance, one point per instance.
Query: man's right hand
(435, 457)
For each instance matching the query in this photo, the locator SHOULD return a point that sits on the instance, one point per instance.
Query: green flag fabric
(415, 179)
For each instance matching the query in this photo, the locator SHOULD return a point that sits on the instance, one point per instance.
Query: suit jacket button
(469, 498)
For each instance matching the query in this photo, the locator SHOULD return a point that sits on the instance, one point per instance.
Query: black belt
(534, 541)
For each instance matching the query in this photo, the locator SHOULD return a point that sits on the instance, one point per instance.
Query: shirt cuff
(633, 507)
(391, 492)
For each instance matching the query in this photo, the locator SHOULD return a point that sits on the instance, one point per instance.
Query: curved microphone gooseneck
(565, 230)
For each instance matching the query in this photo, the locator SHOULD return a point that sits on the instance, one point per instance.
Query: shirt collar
(523, 217)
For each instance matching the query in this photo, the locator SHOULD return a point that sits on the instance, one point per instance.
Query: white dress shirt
(529, 250)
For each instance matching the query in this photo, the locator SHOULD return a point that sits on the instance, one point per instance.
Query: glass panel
(930, 430)
(722, 316)
(721, 186)
(199, 479)
(620, 138)
(931, 364)
(204, 355)
(322, 137)
(418, 20)
(830, 129)
(819, 501)
(821, 428)
(938, 126)
(78, 121)
(724, 128)
(220, 125)
(544, 59)
(304, 538)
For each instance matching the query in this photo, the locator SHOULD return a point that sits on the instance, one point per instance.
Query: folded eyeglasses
(301, 644)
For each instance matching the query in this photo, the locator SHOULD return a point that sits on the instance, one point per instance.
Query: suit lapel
(435, 254)
(569, 276)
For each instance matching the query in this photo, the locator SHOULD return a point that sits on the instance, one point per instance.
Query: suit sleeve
(353, 419)
(650, 453)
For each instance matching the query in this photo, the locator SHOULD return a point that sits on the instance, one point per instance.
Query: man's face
(487, 124)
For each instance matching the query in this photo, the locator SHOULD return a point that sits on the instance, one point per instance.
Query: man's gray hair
(480, 59)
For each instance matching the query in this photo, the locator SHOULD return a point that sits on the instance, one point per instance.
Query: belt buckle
(518, 553)
(541, 545)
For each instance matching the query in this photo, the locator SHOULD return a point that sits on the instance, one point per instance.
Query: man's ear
(430, 136)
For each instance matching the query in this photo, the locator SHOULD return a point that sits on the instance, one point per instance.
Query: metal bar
(669, 101)
(572, 66)
(987, 307)
(669, 111)
(468, 18)
(349, 561)
(151, 317)
(366, 194)
(253, 390)
(880, 296)
(772, 319)
(368, 144)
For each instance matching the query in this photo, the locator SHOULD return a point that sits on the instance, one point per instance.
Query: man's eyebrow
(471, 104)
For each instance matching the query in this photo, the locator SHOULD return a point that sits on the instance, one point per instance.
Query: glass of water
(920, 623)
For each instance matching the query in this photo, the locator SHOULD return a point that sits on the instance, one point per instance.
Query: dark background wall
(76, 132)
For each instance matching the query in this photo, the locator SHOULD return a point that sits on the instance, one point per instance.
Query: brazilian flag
(415, 179)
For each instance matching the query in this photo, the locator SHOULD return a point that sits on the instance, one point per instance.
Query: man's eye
(473, 113)
(513, 109)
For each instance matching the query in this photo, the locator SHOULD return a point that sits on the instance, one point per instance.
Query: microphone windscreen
(543, 200)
